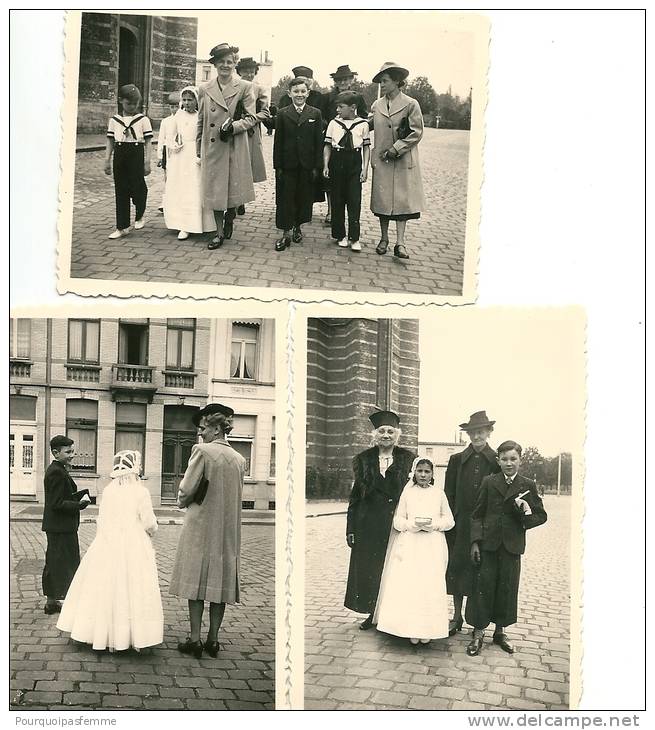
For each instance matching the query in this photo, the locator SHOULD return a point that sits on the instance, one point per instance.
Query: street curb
(160, 521)
(328, 514)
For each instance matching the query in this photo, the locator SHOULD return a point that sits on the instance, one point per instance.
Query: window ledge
(84, 474)
(84, 365)
(270, 480)
(250, 480)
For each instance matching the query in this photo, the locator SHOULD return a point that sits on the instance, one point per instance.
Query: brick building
(353, 367)
(114, 384)
(155, 52)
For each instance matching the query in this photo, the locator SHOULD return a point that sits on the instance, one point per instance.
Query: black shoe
(215, 243)
(241, 210)
(455, 625)
(400, 252)
(475, 645)
(367, 623)
(503, 643)
(283, 243)
(51, 608)
(191, 647)
(297, 235)
(212, 648)
(228, 227)
(382, 247)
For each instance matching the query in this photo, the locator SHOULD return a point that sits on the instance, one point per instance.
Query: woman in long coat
(397, 190)
(226, 111)
(207, 560)
(380, 475)
(247, 69)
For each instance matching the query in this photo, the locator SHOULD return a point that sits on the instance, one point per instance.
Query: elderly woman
(226, 111)
(397, 192)
(380, 475)
(207, 559)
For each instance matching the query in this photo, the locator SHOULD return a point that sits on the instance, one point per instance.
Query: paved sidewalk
(50, 672)
(351, 669)
(435, 242)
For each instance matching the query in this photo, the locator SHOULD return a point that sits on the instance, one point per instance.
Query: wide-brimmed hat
(302, 71)
(130, 92)
(477, 420)
(384, 418)
(210, 409)
(220, 50)
(390, 66)
(342, 72)
(247, 62)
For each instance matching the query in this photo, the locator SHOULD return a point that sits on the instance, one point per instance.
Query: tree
(421, 90)
(533, 464)
(280, 89)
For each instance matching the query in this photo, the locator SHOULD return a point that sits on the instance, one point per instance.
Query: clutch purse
(201, 492)
(404, 128)
(423, 520)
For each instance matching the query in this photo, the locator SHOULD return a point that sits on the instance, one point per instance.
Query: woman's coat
(255, 139)
(396, 186)
(225, 167)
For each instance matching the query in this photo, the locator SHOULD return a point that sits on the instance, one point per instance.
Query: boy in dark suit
(508, 504)
(297, 159)
(61, 519)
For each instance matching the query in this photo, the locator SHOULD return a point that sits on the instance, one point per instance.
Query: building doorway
(22, 457)
(133, 52)
(178, 439)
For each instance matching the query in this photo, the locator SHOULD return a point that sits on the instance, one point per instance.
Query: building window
(82, 427)
(244, 351)
(383, 370)
(180, 343)
(133, 343)
(242, 438)
(131, 428)
(19, 338)
(206, 73)
(22, 408)
(84, 340)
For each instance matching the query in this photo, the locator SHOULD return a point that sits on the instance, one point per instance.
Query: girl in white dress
(114, 600)
(412, 601)
(182, 197)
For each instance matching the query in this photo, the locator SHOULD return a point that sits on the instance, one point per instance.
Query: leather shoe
(191, 647)
(297, 235)
(454, 626)
(51, 608)
(475, 646)
(400, 252)
(212, 648)
(503, 643)
(367, 623)
(382, 247)
(215, 243)
(283, 243)
(241, 210)
(228, 227)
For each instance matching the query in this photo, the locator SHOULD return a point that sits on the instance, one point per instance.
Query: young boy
(165, 138)
(346, 155)
(297, 159)
(129, 138)
(508, 504)
(61, 519)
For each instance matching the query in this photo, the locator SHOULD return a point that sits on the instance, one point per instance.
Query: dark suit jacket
(496, 520)
(461, 496)
(298, 141)
(329, 106)
(61, 512)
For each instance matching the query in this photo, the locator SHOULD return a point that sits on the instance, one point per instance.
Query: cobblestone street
(435, 242)
(50, 672)
(351, 669)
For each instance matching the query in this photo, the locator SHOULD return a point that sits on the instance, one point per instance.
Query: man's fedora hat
(384, 418)
(477, 420)
(390, 66)
(220, 50)
(247, 62)
(342, 72)
(303, 71)
(209, 410)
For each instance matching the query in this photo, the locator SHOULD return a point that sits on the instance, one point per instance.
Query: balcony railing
(179, 379)
(133, 379)
(20, 368)
(83, 372)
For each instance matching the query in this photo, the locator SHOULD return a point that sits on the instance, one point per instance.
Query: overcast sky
(363, 39)
(524, 367)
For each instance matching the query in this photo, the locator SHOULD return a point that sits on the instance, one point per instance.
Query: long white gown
(412, 601)
(114, 600)
(183, 199)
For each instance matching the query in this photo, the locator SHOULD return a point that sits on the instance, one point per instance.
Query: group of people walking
(210, 148)
(112, 596)
(413, 543)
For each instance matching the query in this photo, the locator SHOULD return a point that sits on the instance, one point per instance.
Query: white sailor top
(133, 130)
(339, 128)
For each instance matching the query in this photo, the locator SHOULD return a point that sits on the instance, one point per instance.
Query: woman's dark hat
(342, 72)
(209, 410)
(130, 92)
(390, 66)
(220, 50)
(303, 71)
(477, 420)
(384, 418)
(248, 62)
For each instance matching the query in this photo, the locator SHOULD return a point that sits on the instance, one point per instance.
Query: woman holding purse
(397, 191)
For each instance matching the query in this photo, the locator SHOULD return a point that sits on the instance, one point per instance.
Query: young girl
(114, 600)
(413, 601)
(129, 137)
(183, 198)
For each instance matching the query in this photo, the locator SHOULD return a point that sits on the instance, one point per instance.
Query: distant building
(353, 367)
(205, 71)
(439, 452)
(113, 384)
(155, 52)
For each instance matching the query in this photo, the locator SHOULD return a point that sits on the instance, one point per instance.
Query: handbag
(404, 129)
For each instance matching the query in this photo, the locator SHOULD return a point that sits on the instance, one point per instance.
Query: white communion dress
(412, 601)
(114, 600)
(183, 209)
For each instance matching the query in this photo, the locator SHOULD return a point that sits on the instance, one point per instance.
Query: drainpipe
(48, 393)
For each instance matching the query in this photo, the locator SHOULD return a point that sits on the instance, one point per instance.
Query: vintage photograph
(443, 481)
(234, 153)
(142, 513)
